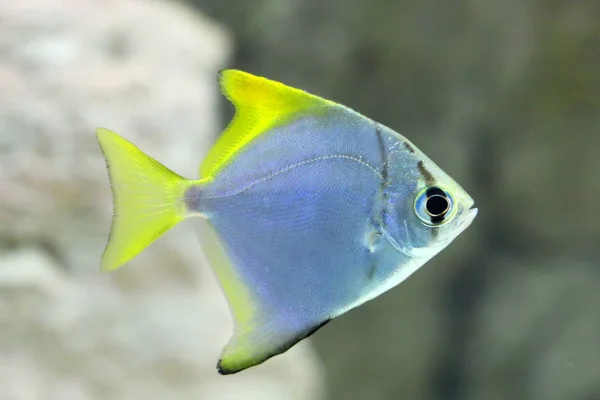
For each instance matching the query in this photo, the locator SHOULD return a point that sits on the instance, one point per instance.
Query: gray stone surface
(153, 330)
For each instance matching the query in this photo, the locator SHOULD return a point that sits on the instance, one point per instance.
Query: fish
(305, 210)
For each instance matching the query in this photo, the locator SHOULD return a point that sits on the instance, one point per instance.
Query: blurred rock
(154, 330)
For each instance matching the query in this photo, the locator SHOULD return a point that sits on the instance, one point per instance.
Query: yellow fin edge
(260, 104)
(239, 351)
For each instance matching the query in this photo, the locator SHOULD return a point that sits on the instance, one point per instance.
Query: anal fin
(261, 330)
(235, 356)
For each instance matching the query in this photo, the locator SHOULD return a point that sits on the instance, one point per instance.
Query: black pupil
(436, 205)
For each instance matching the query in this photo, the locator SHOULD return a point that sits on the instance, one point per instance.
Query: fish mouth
(467, 217)
(471, 212)
(470, 216)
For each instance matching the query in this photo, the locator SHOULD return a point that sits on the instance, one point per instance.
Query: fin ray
(260, 105)
(146, 198)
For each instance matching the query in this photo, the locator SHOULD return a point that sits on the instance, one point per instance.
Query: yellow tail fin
(147, 199)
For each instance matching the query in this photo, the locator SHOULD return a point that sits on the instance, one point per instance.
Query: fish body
(306, 209)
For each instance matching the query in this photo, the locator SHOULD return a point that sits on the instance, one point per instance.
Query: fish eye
(434, 206)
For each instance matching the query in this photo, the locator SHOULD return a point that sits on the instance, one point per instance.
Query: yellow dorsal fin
(260, 104)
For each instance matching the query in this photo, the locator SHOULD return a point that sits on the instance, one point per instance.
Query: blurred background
(503, 95)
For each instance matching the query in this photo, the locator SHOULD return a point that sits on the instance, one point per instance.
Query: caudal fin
(147, 199)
